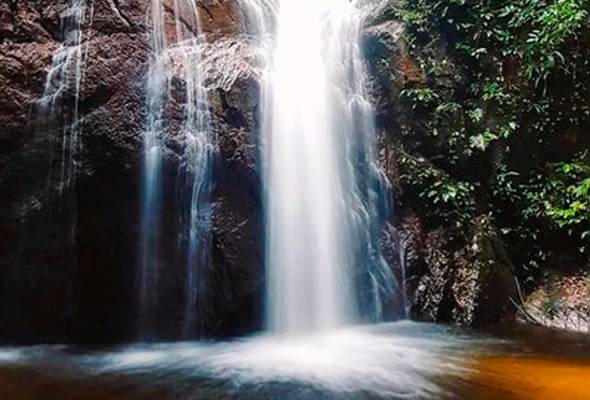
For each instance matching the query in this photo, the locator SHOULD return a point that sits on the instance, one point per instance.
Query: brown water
(550, 365)
(394, 361)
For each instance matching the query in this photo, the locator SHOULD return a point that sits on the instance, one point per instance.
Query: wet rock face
(220, 18)
(63, 248)
(69, 255)
(450, 279)
(237, 274)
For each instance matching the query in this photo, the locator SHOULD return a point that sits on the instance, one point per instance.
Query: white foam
(390, 360)
(10, 355)
(373, 360)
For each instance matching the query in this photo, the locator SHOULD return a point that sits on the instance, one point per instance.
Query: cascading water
(58, 113)
(327, 202)
(65, 78)
(149, 252)
(196, 162)
(176, 55)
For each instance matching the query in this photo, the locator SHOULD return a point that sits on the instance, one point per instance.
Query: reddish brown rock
(68, 261)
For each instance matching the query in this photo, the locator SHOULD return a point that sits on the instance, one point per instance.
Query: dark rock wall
(68, 261)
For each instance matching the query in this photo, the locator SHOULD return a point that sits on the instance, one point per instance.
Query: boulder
(469, 284)
(562, 301)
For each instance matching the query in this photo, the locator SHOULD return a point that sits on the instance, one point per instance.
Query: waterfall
(176, 57)
(327, 202)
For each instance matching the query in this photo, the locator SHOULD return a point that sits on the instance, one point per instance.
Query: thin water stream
(176, 55)
(60, 103)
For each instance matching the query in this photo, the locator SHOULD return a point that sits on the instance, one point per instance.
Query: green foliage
(501, 124)
(442, 198)
(561, 194)
(550, 25)
(552, 200)
(421, 96)
(533, 31)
